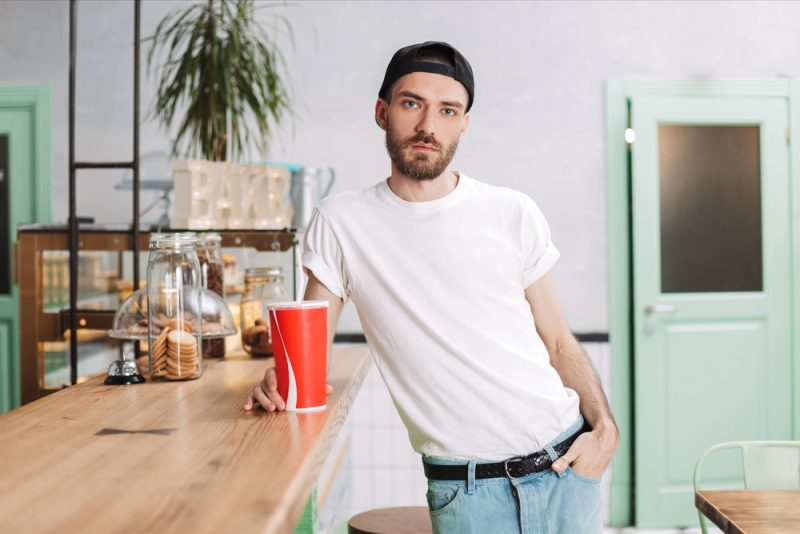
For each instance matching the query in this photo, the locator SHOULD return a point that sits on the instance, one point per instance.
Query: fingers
(265, 393)
(270, 380)
(266, 402)
(560, 465)
(569, 457)
(248, 404)
(270, 386)
(583, 457)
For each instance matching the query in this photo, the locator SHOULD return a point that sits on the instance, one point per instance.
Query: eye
(450, 112)
(409, 104)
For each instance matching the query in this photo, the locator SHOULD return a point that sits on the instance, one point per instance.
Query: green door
(24, 198)
(712, 284)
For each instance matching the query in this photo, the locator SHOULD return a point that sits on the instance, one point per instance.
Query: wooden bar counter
(168, 457)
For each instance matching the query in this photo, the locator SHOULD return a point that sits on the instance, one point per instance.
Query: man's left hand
(590, 455)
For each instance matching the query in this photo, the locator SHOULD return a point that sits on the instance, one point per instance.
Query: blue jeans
(538, 503)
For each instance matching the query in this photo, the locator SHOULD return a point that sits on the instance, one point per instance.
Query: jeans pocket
(442, 497)
(583, 478)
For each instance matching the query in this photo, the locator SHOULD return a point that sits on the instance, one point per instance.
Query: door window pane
(710, 185)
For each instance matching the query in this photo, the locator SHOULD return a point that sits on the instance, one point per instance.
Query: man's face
(424, 122)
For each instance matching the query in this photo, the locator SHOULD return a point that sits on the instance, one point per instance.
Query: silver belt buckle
(505, 465)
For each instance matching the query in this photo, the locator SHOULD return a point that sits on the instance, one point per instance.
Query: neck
(413, 190)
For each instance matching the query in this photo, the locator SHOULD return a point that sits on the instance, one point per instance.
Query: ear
(382, 113)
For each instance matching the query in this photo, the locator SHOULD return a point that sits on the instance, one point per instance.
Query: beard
(420, 166)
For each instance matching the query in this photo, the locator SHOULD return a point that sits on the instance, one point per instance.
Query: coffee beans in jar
(209, 252)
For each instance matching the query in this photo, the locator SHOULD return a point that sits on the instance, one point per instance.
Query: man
(449, 278)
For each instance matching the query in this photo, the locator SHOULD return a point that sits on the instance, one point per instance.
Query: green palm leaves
(224, 71)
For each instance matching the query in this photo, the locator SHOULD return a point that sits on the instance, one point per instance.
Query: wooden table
(188, 459)
(752, 511)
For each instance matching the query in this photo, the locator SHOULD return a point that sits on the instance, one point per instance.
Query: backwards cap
(405, 62)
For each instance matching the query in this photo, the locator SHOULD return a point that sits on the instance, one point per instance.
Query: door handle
(660, 308)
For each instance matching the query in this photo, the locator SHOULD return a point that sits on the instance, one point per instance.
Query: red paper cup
(300, 343)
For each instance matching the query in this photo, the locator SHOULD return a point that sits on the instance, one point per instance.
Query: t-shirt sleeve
(539, 253)
(322, 255)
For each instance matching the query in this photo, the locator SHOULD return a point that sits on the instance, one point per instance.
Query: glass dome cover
(130, 321)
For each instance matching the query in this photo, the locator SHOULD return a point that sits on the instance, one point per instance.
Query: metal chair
(766, 465)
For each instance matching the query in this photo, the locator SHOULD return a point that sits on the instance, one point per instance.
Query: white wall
(537, 123)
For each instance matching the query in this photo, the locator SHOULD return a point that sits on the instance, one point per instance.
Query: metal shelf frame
(73, 222)
(36, 324)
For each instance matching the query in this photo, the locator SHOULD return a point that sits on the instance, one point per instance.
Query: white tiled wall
(383, 468)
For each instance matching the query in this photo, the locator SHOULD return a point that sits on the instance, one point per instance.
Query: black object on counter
(123, 372)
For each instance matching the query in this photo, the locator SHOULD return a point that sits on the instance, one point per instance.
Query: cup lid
(296, 305)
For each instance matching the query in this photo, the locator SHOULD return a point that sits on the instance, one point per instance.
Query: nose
(427, 122)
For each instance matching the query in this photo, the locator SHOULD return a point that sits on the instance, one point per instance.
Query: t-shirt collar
(427, 205)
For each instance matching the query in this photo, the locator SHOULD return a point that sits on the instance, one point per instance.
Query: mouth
(421, 147)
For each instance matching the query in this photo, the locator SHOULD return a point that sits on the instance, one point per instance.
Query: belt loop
(551, 452)
(471, 477)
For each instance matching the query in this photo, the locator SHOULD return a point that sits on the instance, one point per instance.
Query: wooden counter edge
(299, 491)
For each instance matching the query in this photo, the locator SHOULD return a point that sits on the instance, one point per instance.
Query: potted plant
(221, 84)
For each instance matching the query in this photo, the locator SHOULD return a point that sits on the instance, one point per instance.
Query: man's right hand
(266, 393)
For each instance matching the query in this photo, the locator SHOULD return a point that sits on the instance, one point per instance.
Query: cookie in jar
(174, 307)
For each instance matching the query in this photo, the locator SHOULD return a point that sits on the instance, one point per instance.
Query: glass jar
(174, 307)
(212, 268)
(262, 286)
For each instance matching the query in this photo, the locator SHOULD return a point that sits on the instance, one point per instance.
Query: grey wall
(537, 123)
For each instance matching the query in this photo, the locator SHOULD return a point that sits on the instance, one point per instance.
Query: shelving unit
(43, 326)
(50, 326)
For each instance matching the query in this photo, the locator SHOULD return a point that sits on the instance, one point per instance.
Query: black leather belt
(514, 467)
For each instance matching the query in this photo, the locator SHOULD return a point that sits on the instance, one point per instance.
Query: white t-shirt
(439, 289)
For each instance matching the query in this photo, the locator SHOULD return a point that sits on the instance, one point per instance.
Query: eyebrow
(415, 96)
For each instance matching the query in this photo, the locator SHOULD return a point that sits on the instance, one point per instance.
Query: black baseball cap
(405, 62)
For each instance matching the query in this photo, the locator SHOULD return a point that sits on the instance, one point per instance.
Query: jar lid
(172, 240)
(208, 237)
(254, 272)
